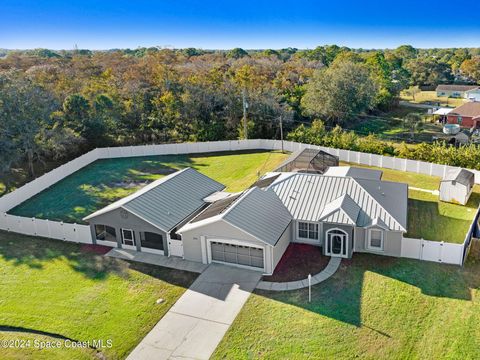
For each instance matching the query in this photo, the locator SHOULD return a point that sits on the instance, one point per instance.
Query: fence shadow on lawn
(341, 296)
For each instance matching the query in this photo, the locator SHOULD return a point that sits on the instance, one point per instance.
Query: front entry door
(128, 239)
(336, 243)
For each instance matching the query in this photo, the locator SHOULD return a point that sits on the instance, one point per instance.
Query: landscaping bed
(297, 262)
(108, 180)
(54, 291)
(373, 307)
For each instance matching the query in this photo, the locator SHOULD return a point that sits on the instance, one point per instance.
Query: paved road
(196, 324)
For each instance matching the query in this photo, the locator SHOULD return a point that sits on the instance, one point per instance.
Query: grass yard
(431, 98)
(52, 290)
(429, 218)
(389, 126)
(106, 181)
(374, 307)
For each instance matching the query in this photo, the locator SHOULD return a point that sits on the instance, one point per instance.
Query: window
(308, 230)
(151, 240)
(105, 233)
(459, 120)
(375, 239)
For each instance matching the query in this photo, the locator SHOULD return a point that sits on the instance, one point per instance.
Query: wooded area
(55, 105)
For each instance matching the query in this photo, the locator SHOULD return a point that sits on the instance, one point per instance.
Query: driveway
(196, 324)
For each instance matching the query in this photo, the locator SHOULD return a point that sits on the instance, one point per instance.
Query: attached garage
(250, 230)
(242, 255)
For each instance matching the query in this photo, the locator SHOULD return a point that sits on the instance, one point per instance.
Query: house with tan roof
(455, 91)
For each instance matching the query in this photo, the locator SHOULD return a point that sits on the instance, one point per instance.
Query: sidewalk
(196, 324)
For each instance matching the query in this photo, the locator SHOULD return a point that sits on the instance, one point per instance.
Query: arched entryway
(336, 241)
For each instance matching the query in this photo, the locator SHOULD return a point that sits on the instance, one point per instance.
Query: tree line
(55, 105)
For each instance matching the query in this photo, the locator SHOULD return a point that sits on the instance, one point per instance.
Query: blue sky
(226, 24)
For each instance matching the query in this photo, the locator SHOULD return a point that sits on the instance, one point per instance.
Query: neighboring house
(147, 219)
(456, 186)
(473, 95)
(455, 91)
(350, 210)
(466, 115)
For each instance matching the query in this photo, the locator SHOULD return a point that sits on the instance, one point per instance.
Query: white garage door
(237, 254)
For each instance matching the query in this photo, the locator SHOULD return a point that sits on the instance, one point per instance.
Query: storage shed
(456, 186)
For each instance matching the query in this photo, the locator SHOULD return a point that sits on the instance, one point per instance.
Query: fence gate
(432, 251)
(176, 247)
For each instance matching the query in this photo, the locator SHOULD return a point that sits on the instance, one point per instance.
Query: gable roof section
(456, 87)
(469, 109)
(307, 195)
(461, 176)
(260, 213)
(167, 201)
(342, 210)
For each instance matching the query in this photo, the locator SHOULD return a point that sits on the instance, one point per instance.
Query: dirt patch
(297, 262)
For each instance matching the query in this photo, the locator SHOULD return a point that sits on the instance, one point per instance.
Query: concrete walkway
(433, 192)
(160, 260)
(196, 324)
(323, 275)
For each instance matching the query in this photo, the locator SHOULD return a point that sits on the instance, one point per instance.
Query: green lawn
(431, 98)
(105, 181)
(389, 126)
(52, 290)
(429, 218)
(373, 308)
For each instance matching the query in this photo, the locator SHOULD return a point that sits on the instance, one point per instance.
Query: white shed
(456, 186)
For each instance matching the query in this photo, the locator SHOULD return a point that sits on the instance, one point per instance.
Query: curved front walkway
(323, 275)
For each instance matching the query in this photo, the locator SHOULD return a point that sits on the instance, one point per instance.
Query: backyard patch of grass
(108, 180)
(389, 126)
(431, 98)
(431, 219)
(428, 217)
(51, 290)
(374, 307)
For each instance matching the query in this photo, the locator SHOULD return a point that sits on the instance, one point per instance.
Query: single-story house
(466, 115)
(456, 186)
(350, 210)
(455, 91)
(147, 219)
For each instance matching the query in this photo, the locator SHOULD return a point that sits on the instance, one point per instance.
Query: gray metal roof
(355, 172)
(307, 195)
(169, 200)
(461, 176)
(260, 213)
(342, 210)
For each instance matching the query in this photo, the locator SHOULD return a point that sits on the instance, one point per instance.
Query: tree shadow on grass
(340, 297)
(36, 252)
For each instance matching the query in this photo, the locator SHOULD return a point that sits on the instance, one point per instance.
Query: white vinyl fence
(414, 248)
(432, 251)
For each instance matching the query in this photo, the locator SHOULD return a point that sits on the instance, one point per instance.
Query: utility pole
(281, 131)
(245, 107)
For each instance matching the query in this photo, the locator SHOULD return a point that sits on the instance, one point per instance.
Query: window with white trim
(308, 230)
(375, 239)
